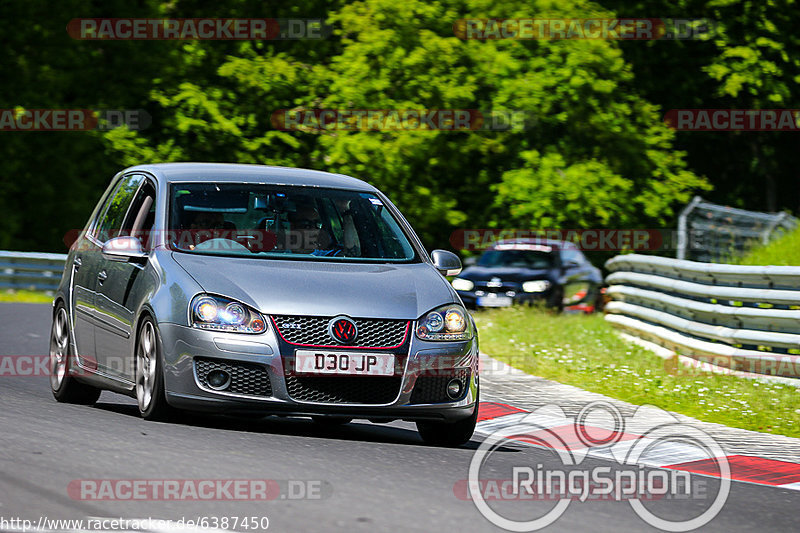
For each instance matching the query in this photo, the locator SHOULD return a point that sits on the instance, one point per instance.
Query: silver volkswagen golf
(245, 288)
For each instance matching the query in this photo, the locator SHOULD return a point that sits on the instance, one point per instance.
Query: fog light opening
(218, 379)
(455, 388)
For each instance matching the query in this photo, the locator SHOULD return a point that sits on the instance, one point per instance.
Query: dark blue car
(527, 271)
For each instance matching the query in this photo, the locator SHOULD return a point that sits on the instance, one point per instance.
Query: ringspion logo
(633, 446)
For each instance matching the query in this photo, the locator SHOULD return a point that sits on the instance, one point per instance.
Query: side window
(390, 229)
(141, 216)
(110, 224)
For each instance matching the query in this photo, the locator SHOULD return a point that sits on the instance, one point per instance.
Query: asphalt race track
(362, 477)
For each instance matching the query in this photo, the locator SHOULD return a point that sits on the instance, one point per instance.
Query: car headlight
(447, 323)
(223, 314)
(461, 284)
(539, 285)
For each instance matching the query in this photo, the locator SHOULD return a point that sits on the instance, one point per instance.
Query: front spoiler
(439, 412)
(182, 344)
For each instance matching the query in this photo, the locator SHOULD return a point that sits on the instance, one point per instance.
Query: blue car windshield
(517, 259)
(277, 221)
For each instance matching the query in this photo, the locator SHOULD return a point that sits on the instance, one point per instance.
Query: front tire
(556, 301)
(150, 395)
(450, 434)
(65, 388)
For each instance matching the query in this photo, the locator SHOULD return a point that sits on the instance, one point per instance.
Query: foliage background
(597, 153)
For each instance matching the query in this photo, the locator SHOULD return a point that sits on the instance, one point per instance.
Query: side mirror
(471, 261)
(124, 249)
(446, 262)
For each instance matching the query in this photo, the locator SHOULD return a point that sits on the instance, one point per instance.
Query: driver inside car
(205, 225)
(307, 234)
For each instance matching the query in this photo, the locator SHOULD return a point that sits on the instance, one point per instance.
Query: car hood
(285, 287)
(476, 273)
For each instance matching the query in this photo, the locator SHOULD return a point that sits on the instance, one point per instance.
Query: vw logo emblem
(342, 330)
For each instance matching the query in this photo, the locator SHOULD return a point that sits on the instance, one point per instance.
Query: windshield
(517, 259)
(291, 222)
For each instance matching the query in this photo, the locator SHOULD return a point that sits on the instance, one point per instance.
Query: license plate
(495, 301)
(347, 363)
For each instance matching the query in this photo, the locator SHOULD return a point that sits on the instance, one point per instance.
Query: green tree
(594, 152)
(51, 180)
(751, 60)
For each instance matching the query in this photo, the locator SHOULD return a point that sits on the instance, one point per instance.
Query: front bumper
(484, 298)
(184, 345)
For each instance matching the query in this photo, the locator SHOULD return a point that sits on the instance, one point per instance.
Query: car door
(84, 280)
(85, 265)
(113, 322)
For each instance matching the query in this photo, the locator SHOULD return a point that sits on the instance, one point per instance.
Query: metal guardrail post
(683, 234)
(725, 230)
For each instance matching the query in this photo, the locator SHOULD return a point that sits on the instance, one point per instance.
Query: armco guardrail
(744, 318)
(710, 232)
(27, 270)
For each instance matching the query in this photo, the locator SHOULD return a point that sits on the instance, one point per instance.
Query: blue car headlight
(446, 323)
(539, 285)
(223, 314)
(461, 284)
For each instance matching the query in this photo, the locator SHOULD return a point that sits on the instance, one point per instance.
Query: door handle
(102, 276)
(77, 262)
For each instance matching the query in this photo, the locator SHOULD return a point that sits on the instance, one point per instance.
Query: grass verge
(584, 351)
(784, 251)
(29, 297)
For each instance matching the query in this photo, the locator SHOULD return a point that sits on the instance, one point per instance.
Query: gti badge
(342, 330)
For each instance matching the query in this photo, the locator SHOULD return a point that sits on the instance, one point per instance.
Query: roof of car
(230, 172)
(523, 243)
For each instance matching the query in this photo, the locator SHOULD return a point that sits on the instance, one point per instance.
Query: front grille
(249, 379)
(313, 331)
(505, 287)
(433, 389)
(344, 389)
